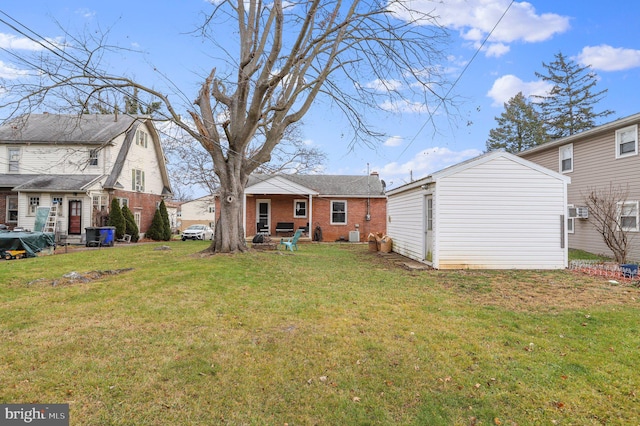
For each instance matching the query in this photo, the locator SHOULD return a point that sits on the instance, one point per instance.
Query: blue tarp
(31, 242)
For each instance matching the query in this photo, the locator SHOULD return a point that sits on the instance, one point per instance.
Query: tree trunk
(229, 229)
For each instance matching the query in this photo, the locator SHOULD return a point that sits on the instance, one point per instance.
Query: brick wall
(282, 211)
(142, 203)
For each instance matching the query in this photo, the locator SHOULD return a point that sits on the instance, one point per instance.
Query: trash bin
(100, 236)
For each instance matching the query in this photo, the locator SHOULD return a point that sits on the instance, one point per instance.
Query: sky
(495, 49)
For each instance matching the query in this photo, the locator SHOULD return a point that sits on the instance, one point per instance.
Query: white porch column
(310, 215)
(244, 213)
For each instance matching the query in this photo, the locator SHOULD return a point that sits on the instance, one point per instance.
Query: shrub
(156, 230)
(116, 218)
(166, 225)
(130, 224)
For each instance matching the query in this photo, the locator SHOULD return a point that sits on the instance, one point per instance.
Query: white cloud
(384, 85)
(10, 41)
(423, 164)
(86, 13)
(475, 19)
(507, 86)
(608, 58)
(404, 106)
(394, 141)
(8, 72)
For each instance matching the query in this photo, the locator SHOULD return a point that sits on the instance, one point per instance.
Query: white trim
(629, 129)
(295, 210)
(570, 220)
(346, 220)
(636, 207)
(561, 157)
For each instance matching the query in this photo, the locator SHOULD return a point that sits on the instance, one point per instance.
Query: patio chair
(291, 243)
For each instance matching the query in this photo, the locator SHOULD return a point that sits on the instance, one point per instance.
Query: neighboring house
(496, 211)
(199, 211)
(601, 157)
(345, 208)
(80, 162)
(173, 211)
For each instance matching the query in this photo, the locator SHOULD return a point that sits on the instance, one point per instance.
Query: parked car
(197, 232)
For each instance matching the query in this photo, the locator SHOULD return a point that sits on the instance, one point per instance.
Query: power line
(466, 67)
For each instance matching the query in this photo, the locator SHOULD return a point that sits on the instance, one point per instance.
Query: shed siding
(405, 224)
(594, 166)
(499, 214)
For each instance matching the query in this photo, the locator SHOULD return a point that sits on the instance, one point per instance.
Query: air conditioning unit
(354, 236)
(582, 212)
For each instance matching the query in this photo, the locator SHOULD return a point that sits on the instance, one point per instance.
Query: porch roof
(57, 183)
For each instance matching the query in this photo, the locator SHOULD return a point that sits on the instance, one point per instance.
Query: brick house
(343, 207)
(80, 163)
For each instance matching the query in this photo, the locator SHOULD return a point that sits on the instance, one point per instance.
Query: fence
(626, 273)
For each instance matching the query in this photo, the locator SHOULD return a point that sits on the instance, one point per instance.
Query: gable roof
(90, 129)
(475, 161)
(327, 185)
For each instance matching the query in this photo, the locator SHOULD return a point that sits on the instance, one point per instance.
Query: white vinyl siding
(405, 222)
(497, 212)
(500, 215)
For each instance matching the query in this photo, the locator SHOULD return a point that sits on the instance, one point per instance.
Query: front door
(75, 217)
(263, 215)
(428, 228)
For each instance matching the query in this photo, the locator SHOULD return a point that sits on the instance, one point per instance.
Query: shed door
(75, 217)
(428, 228)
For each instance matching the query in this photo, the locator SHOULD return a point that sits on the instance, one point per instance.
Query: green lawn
(329, 335)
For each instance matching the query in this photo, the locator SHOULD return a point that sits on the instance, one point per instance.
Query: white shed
(495, 211)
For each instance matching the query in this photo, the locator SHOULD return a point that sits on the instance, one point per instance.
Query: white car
(197, 232)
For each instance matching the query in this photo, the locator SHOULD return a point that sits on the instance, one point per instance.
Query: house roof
(57, 183)
(328, 185)
(93, 129)
(622, 122)
(12, 180)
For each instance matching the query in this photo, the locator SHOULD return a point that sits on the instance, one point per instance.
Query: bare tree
(612, 217)
(191, 167)
(284, 56)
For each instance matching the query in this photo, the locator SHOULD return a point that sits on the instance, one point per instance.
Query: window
(58, 201)
(123, 202)
(12, 208)
(93, 157)
(34, 202)
(14, 160)
(137, 180)
(99, 203)
(430, 214)
(338, 212)
(212, 208)
(141, 138)
(137, 216)
(627, 142)
(566, 158)
(628, 211)
(571, 221)
(300, 208)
